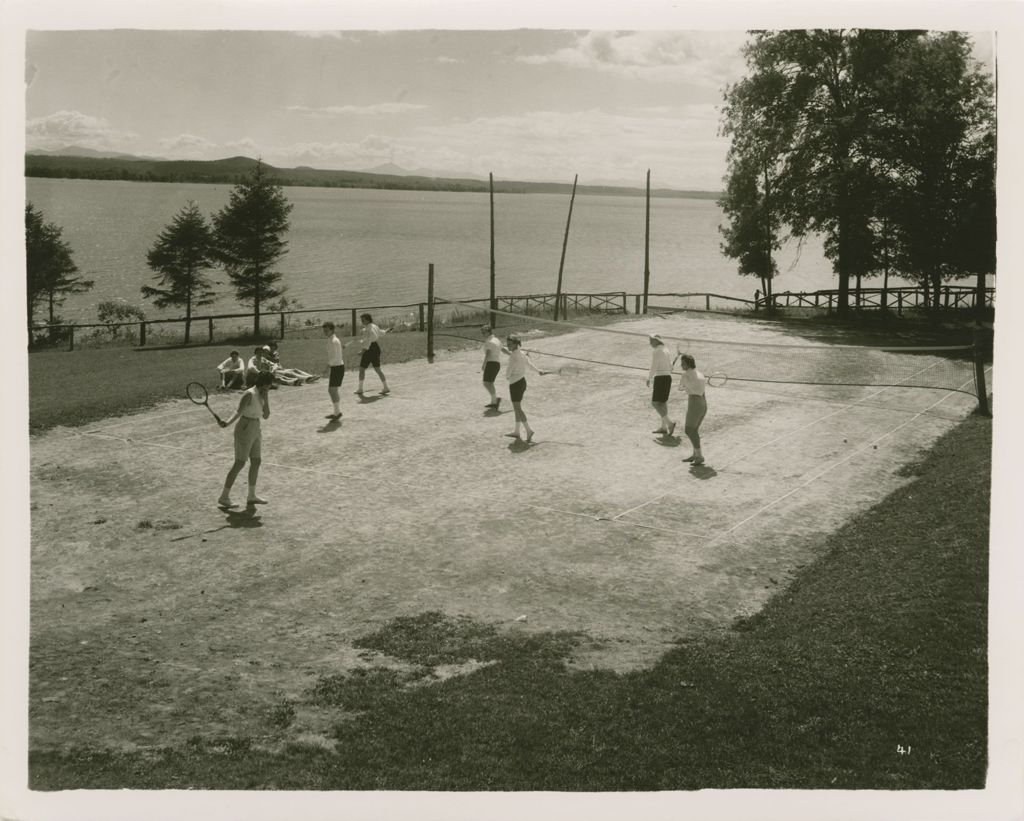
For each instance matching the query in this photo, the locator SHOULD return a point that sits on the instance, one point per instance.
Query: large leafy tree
(181, 255)
(51, 272)
(876, 140)
(936, 129)
(249, 238)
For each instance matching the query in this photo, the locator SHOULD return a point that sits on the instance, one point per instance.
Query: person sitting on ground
(286, 376)
(232, 372)
(257, 363)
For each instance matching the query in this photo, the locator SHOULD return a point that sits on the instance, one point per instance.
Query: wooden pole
(979, 374)
(430, 312)
(647, 242)
(565, 243)
(494, 303)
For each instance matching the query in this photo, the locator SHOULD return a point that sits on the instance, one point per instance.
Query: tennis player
(518, 362)
(254, 405)
(492, 364)
(369, 335)
(661, 374)
(335, 368)
(694, 383)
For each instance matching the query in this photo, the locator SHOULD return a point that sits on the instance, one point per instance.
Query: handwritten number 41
(903, 750)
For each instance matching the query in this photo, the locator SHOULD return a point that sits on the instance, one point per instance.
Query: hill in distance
(230, 170)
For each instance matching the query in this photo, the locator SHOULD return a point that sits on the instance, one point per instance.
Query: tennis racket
(198, 394)
(717, 379)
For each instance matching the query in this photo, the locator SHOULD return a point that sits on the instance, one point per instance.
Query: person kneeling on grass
(253, 406)
(232, 372)
(518, 361)
(694, 383)
(661, 373)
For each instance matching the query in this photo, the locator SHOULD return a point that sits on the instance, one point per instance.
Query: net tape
(939, 367)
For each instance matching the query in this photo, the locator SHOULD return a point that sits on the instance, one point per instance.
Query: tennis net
(939, 367)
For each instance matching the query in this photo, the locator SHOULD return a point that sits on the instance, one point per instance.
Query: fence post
(142, 334)
(210, 333)
(624, 308)
(979, 374)
(430, 313)
(637, 311)
(353, 322)
(707, 302)
(71, 338)
(421, 318)
(282, 326)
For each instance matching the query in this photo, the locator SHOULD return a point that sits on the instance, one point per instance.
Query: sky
(527, 104)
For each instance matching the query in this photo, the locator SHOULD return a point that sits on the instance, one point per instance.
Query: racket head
(197, 392)
(717, 379)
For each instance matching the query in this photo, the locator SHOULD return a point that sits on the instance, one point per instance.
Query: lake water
(355, 248)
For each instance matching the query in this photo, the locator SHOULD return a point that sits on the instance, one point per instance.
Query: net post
(979, 373)
(430, 312)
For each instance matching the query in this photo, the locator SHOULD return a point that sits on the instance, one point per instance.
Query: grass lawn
(868, 672)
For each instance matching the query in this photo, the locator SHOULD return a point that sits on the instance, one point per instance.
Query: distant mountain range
(83, 163)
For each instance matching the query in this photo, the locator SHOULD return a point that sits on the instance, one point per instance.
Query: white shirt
(335, 356)
(693, 382)
(492, 349)
(517, 364)
(370, 334)
(263, 364)
(661, 363)
(230, 364)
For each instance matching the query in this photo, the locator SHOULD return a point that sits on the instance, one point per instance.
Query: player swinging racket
(661, 374)
(254, 405)
(369, 334)
(694, 383)
(335, 368)
(492, 364)
(516, 373)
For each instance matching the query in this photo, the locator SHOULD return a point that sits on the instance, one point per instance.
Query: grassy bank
(869, 671)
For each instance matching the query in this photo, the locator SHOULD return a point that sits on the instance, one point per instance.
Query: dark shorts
(517, 389)
(371, 356)
(491, 371)
(662, 389)
(337, 375)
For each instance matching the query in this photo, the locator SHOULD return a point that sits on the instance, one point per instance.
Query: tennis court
(419, 502)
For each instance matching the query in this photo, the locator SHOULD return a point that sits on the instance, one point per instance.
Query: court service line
(825, 470)
(788, 433)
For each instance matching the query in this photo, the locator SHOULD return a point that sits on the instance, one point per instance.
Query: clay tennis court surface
(145, 594)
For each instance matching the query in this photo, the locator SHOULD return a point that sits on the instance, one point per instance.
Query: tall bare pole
(565, 242)
(494, 301)
(647, 242)
(430, 312)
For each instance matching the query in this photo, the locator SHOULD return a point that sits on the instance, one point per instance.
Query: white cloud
(64, 128)
(704, 58)
(374, 110)
(188, 147)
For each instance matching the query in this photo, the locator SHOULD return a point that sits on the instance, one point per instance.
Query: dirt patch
(207, 624)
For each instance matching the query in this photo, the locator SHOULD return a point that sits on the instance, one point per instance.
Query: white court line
(789, 432)
(825, 470)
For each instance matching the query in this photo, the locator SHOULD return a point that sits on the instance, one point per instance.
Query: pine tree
(248, 237)
(181, 254)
